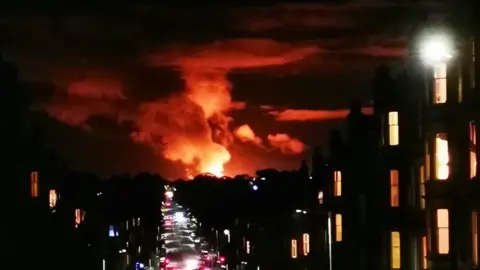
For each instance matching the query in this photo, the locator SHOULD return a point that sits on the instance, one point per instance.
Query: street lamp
(227, 233)
(436, 49)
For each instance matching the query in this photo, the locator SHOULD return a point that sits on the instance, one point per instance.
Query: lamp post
(227, 233)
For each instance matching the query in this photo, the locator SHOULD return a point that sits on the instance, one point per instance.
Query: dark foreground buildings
(403, 191)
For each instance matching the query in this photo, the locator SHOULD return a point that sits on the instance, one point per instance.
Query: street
(182, 248)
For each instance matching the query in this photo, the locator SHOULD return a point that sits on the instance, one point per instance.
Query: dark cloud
(107, 63)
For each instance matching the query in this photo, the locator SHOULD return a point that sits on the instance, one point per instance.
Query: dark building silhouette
(402, 192)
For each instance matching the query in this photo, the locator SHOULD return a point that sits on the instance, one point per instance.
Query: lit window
(427, 162)
(394, 190)
(395, 256)
(320, 197)
(440, 83)
(473, 164)
(79, 216)
(306, 244)
(34, 184)
(138, 221)
(294, 248)
(475, 238)
(442, 157)
(422, 186)
(473, 150)
(424, 253)
(337, 187)
(247, 244)
(473, 133)
(393, 129)
(52, 198)
(338, 228)
(443, 230)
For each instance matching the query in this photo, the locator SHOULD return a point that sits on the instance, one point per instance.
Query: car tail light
(221, 259)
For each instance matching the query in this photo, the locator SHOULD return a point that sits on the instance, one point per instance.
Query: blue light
(111, 231)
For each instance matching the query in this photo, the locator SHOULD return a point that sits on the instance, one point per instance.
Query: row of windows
(441, 170)
(305, 246)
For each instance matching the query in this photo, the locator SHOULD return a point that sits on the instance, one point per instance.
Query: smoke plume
(245, 134)
(192, 126)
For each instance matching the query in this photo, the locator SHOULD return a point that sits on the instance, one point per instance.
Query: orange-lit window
(422, 186)
(34, 184)
(442, 157)
(337, 183)
(338, 228)
(79, 216)
(473, 133)
(394, 190)
(294, 248)
(306, 244)
(52, 198)
(320, 197)
(475, 238)
(395, 250)
(473, 150)
(427, 162)
(424, 253)
(473, 164)
(393, 130)
(443, 231)
(440, 83)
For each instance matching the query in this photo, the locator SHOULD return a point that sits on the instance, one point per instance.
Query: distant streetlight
(227, 233)
(255, 187)
(436, 49)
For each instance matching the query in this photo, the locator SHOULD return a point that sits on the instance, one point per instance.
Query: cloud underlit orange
(290, 115)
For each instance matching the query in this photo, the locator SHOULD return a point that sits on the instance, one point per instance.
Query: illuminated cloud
(292, 115)
(286, 144)
(245, 134)
(233, 54)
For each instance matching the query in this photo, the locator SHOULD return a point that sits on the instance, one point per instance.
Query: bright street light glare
(191, 264)
(226, 232)
(169, 194)
(435, 49)
(180, 217)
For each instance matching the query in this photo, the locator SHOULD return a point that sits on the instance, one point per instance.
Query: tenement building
(403, 191)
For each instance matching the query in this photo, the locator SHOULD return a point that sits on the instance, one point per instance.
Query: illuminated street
(183, 249)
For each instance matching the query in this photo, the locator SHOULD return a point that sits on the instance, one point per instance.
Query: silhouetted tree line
(261, 210)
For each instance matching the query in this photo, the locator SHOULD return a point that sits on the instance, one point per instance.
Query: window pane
(440, 83)
(442, 157)
(392, 118)
(424, 252)
(394, 189)
(338, 227)
(395, 256)
(443, 237)
(337, 187)
(473, 164)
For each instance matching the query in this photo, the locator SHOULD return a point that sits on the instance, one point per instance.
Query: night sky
(119, 89)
